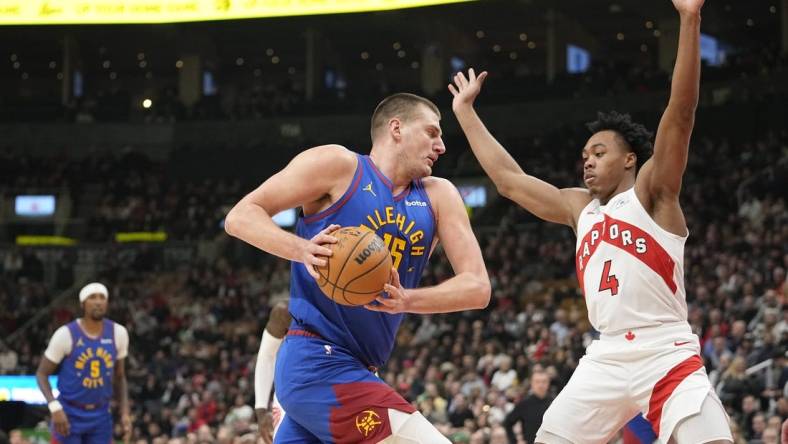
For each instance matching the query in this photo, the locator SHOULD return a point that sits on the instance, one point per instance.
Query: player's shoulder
(62, 331)
(331, 152)
(330, 158)
(438, 185)
(119, 328)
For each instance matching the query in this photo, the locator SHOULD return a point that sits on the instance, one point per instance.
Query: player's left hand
(688, 6)
(397, 301)
(125, 421)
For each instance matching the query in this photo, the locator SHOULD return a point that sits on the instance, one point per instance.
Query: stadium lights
(46, 12)
(147, 103)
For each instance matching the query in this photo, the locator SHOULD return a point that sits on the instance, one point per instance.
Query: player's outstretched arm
(537, 196)
(470, 287)
(659, 181)
(311, 176)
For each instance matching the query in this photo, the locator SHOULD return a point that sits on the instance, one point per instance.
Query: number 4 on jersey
(609, 281)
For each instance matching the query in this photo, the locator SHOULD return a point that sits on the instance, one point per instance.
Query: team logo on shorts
(367, 421)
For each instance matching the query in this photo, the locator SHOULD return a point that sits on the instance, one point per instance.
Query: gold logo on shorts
(367, 421)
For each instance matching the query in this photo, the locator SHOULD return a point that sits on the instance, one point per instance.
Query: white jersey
(630, 269)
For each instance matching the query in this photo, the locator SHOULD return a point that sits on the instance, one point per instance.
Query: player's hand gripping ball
(358, 268)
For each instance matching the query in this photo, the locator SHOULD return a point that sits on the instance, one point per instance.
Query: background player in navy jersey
(630, 254)
(324, 376)
(91, 353)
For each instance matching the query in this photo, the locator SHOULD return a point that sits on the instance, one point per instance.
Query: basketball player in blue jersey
(325, 370)
(90, 352)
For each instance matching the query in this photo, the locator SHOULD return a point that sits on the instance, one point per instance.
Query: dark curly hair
(636, 135)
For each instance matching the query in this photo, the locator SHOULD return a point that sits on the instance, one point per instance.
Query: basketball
(358, 269)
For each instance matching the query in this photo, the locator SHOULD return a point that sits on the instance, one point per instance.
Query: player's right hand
(464, 89)
(61, 423)
(265, 424)
(315, 248)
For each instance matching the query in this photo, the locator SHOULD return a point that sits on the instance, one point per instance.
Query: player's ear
(395, 126)
(631, 160)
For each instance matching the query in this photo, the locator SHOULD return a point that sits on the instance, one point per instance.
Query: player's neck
(624, 185)
(388, 165)
(91, 327)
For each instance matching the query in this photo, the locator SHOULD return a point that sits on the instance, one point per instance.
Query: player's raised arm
(535, 195)
(660, 177)
(313, 176)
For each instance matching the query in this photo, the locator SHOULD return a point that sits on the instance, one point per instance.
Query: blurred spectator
(8, 359)
(528, 412)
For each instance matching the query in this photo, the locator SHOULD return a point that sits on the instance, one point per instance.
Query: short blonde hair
(402, 105)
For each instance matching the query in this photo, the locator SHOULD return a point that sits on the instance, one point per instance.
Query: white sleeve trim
(59, 345)
(264, 369)
(121, 341)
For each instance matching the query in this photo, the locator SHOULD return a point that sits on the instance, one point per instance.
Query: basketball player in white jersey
(630, 250)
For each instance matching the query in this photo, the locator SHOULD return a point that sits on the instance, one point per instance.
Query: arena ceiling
(621, 27)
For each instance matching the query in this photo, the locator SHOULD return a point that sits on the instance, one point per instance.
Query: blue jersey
(405, 222)
(85, 376)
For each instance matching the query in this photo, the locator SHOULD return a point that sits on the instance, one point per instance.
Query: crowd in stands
(243, 97)
(195, 324)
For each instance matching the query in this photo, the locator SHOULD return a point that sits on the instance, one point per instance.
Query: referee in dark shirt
(530, 410)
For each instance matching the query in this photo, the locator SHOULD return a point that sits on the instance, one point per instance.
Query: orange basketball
(358, 269)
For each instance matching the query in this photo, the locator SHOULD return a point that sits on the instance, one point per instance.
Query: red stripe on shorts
(363, 412)
(665, 387)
